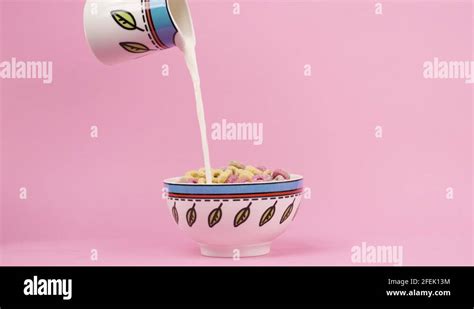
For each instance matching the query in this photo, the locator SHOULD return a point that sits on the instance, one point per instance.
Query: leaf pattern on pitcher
(215, 216)
(125, 20)
(175, 213)
(287, 212)
(268, 214)
(242, 215)
(191, 215)
(134, 47)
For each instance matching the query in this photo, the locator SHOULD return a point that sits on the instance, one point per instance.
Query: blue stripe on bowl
(234, 188)
(164, 26)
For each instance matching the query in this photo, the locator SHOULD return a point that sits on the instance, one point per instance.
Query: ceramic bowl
(234, 220)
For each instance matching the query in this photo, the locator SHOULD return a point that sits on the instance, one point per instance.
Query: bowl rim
(173, 181)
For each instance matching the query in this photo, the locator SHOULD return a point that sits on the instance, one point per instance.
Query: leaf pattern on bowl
(268, 214)
(215, 216)
(175, 213)
(287, 212)
(191, 215)
(242, 215)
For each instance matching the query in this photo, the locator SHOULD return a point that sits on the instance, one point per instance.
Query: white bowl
(234, 220)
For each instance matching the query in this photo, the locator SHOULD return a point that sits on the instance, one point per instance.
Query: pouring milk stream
(191, 61)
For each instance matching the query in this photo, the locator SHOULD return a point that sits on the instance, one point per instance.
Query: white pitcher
(121, 30)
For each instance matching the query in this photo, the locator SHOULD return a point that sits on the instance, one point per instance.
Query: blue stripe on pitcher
(164, 26)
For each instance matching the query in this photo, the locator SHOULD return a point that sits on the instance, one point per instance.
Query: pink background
(105, 193)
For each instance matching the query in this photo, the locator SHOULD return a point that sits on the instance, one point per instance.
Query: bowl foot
(235, 251)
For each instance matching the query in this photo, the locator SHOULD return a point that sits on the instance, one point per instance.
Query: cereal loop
(280, 172)
(237, 164)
